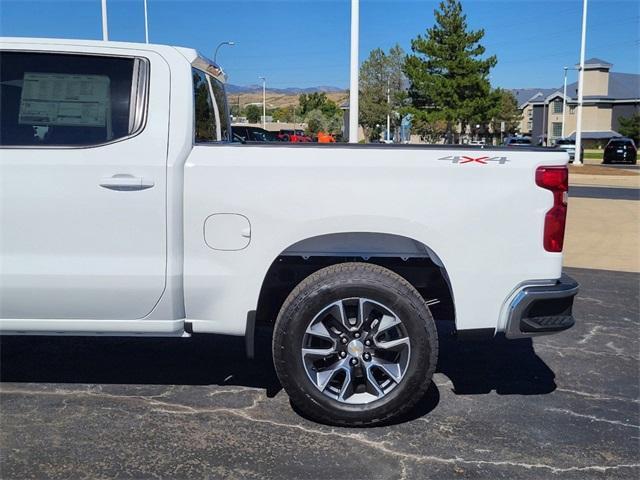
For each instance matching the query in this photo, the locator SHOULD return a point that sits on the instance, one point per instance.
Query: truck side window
(205, 115)
(221, 101)
(52, 99)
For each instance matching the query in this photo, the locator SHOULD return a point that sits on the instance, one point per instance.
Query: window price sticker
(64, 99)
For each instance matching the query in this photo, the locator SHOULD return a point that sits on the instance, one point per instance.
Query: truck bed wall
(484, 221)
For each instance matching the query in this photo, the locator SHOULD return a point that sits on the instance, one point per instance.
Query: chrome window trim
(216, 111)
(228, 117)
(139, 84)
(208, 67)
(141, 104)
(133, 94)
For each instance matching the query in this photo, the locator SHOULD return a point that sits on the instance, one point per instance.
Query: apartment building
(607, 96)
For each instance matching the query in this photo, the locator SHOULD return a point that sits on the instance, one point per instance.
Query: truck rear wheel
(355, 344)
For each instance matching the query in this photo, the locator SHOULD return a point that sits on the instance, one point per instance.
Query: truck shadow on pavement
(508, 367)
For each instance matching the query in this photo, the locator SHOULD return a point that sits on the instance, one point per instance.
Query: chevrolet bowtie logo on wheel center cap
(355, 348)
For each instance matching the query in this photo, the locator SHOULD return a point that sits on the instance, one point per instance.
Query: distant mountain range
(284, 91)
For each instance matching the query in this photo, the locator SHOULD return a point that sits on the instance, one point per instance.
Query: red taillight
(555, 179)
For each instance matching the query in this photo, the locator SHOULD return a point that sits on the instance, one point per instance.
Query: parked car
(252, 134)
(620, 150)
(569, 146)
(126, 210)
(518, 142)
(293, 136)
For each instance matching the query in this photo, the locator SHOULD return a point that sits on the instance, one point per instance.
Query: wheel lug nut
(357, 334)
(343, 354)
(354, 361)
(344, 340)
(367, 356)
(367, 343)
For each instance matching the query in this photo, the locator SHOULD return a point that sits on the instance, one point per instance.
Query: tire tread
(355, 271)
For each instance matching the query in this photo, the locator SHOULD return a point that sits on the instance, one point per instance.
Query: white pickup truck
(126, 210)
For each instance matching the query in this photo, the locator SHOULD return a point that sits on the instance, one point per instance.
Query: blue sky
(305, 43)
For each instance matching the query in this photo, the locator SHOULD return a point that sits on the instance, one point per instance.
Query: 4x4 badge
(482, 160)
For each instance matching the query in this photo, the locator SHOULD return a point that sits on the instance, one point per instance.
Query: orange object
(325, 138)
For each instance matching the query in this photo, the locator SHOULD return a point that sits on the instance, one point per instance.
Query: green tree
(373, 93)
(311, 101)
(335, 122)
(630, 127)
(284, 114)
(447, 76)
(430, 128)
(319, 121)
(316, 121)
(381, 73)
(329, 108)
(320, 112)
(253, 113)
(505, 109)
(317, 101)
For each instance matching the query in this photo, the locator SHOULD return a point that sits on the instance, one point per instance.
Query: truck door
(82, 184)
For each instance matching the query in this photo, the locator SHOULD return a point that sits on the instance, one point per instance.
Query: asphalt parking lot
(564, 406)
(604, 193)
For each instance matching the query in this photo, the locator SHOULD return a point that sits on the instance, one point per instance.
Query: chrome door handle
(125, 183)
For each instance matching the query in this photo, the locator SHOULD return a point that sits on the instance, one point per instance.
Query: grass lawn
(593, 154)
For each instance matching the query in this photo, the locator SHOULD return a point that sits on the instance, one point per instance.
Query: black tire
(349, 280)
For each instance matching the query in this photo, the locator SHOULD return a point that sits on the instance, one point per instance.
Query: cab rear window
(51, 99)
(620, 143)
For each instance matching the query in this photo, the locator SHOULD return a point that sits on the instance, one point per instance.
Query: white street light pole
(264, 102)
(354, 73)
(545, 127)
(146, 24)
(215, 54)
(388, 110)
(578, 157)
(105, 30)
(564, 100)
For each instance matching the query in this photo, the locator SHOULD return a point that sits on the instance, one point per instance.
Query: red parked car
(293, 136)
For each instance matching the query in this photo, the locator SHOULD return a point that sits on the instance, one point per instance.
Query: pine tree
(448, 78)
(379, 72)
(630, 127)
(505, 110)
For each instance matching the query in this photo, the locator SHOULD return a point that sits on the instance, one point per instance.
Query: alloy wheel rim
(356, 350)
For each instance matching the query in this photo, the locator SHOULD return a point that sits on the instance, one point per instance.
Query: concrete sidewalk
(632, 181)
(603, 234)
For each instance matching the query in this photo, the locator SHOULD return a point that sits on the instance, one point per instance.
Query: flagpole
(354, 80)
(105, 30)
(578, 158)
(146, 24)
